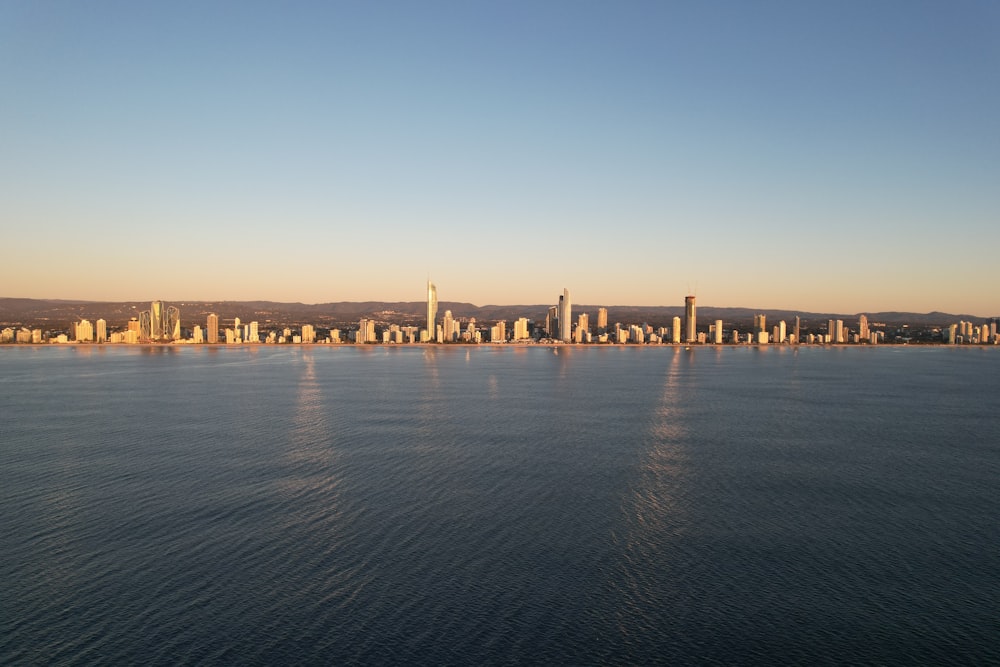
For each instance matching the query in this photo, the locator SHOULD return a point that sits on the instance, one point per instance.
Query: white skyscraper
(565, 317)
(432, 309)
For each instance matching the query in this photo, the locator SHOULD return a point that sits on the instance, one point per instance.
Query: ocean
(458, 505)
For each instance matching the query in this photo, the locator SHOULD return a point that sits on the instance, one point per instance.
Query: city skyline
(840, 158)
(162, 324)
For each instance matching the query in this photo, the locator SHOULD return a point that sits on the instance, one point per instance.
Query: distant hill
(57, 313)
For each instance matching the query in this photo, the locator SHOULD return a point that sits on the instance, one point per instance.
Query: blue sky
(818, 156)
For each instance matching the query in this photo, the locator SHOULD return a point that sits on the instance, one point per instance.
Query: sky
(815, 156)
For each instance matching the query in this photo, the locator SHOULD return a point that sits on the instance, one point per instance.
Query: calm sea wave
(611, 505)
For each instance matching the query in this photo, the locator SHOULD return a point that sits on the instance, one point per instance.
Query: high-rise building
(448, 325)
(102, 331)
(552, 322)
(156, 320)
(432, 309)
(798, 322)
(602, 320)
(253, 334)
(565, 317)
(675, 333)
(718, 332)
(782, 332)
(213, 328)
(839, 338)
(863, 331)
(84, 331)
(521, 329)
(690, 320)
(759, 324)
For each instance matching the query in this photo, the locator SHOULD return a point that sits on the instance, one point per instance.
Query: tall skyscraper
(602, 320)
(863, 331)
(718, 332)
(156, 320)
(675, 333)
(552, 321)
(565, 317)
(432, 309)
(213, 328)
(102, 331)
(448, 325)
(759, 324)
(798, 323)
(690, 320)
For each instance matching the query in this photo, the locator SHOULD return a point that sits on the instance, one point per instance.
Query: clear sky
(819, 156)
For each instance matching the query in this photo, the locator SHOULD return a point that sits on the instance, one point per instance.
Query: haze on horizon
(825, 158)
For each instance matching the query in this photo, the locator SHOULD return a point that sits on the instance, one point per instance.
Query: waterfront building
(197, 335)
(782, 332)
(583, 322)
(253, 335)
(432, 309)
(718, 332)
(552, 322)
(602, 320)
(84, 331)
(308, 333)
(365, 332)
(213, 328)
(759, 324)
(565, 317)
(798, 322)
(102, 331)
(863, 332)
(448, 324)
(839, 336)
(521, 329)
(675, 334)
(690, 320)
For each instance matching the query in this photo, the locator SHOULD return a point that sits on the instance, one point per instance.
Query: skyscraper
(156, 320)
(602, 320)
(565, 317)
(432, 309)
(102, 331)
(213, 328)
(690, 320)
(449, 327)
(552, 321)
(759, 324)
(675, 333)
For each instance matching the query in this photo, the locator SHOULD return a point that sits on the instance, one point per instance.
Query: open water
(316, 505)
